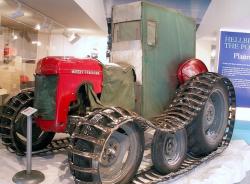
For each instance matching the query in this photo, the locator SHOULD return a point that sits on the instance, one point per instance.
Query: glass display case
(26, 36)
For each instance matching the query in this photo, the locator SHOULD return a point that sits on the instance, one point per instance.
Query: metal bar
(89, 139)
(179, 114)
(192, 94)
(29, 145)
(198, 88)
(5, 127)
(181, 109)
(83, 170)
(85, 154)
(202, 82)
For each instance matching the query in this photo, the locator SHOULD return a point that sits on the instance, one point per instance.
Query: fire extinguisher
(6, 54)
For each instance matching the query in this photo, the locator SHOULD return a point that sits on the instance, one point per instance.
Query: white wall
(43, 49)
(60, 46)
(203, 51)
(232, 14)
(95, 10)
(224, 13)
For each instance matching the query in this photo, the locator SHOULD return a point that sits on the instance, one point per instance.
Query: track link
(189, 100)
(7, 117)
(93, 132)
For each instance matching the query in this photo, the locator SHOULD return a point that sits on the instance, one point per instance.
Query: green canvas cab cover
(118, 88)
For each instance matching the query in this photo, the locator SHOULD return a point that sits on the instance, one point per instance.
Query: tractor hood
(68, 65)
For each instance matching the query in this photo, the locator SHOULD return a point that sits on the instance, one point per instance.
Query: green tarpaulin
(45, 96)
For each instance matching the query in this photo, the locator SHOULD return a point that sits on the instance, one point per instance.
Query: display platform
(229, 168)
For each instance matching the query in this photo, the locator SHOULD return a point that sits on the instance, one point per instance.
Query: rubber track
(8, 115)
(189, 100)
(55, 146)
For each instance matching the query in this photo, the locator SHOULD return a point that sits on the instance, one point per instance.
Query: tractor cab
(155, 41)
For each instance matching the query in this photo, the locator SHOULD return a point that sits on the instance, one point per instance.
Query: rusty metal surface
(129, 52)
(123, 13)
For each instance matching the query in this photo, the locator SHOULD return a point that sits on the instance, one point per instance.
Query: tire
(18, 124)
(205, 133)
(168, 150)
(128, 143)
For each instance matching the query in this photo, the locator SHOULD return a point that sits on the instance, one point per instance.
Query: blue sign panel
(234, 62)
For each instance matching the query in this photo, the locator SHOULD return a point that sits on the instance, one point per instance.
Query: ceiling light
(38, 27)
(36, 43)
(71, 37)
(74, 38)
(14, 36)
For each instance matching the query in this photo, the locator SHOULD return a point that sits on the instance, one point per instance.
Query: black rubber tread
(205, 85)
(55, 146)
(85, 153)
(10, 111)
(197, 143)
(185, 102)
(158, 151)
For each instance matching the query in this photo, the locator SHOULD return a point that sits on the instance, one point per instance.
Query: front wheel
(117, 159)
(168, 150)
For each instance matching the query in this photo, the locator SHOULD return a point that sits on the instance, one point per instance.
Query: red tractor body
(71, 74)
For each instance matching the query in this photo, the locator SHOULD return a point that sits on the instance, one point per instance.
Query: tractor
(107, 108)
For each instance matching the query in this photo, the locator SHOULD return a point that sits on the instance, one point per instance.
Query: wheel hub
(171, 147)
(118, 155)
(209, 113)
(111, 152)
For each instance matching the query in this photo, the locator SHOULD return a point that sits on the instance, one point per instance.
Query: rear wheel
(168, 150)
(207, 130)
(17, 123)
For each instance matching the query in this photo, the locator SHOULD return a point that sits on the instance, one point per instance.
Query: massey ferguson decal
(88, 72)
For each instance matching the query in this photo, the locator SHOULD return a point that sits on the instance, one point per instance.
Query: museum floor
(231, 167)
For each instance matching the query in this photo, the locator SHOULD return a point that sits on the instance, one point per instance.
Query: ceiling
(87, 15)
(224, 14)
(61, 13)
(14, 25)
(65, 12)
